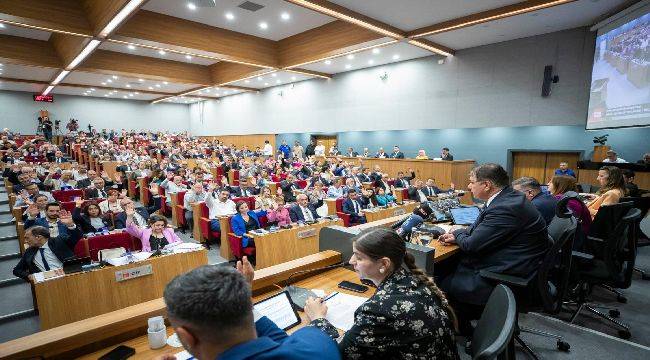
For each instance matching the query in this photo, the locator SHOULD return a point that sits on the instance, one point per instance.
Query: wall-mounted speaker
(548, 79)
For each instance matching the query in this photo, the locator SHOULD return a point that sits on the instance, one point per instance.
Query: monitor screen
(464, 215)
(278, 309)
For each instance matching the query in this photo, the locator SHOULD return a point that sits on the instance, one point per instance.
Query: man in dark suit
(98, 190)
(544, 202)
(303, 210)
(508, 237)
(396, 154)
(288, 187)
(51, 221)
(318, 177)
(403, 181)
(243, 190)
(353, 207)
(58, 158)
(47, 252)
(351, 153)
(446, 155)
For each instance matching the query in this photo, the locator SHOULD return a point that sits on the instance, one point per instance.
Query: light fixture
(370, 62)
(188, 57)
(278, 82)
(131, 47)
(259, 78)
(350, 57)
(127, 85)
(165, 83)
(396, 57)
(137, 93)
(293, 78)
(328, 62)
(274, 74)
(150, 88)
(104, 83)
(230, 16)
(247, 81)
(60, 77)
(354, 51)
(427, 45)
(123, 14)
(376, 51)
(47, 91)
(2, 26)
(83, 54)
(92, 89)
(161, 52)
(348, 66)
(106, 95)
(266, 84)
(131, 95)
(157, 85)
(141, 80)
(285, 16)
(109, 80)
(263, 25)
(114, 77)
(125, 96)
(191, 6)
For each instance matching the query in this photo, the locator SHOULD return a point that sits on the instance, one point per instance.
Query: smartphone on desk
(352, 286)
(119, 353)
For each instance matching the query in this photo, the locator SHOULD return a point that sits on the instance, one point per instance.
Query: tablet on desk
(464, 215)
(278, 309)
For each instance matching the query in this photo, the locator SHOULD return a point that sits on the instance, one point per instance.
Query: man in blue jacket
(286, 149)
(210, 309)
(544, 202)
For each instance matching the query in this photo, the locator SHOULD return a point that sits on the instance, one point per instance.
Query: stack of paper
(341, 308)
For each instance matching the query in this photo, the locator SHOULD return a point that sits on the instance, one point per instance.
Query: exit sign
(45, 98)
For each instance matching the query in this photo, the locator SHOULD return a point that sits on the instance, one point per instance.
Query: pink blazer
(281, 216)
(145, 234)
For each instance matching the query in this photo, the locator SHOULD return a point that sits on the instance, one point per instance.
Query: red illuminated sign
(45, 98)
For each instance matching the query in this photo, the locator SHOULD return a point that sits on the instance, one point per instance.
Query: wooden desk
(82, 295)
(273, 186)
(383, 222)
(128, 325)
(143, 182)
(380, 213)
(288, 244)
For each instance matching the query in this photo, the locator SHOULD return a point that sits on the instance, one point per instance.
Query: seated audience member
(351, 153)
(172, 185)
(40, 202)
(29, 194)
(408, 317)
(47, 252)
(319, 150)
(334, 150)
(353, 207)
(265, 199)
(366, 153)
(545, 203)
(403, 181)
(508, 237)
(631, 188)
(317, 194)
(383, 199)
(289, 188)
(422, 155)
(645, 161)
(245, 189)
(349, 184)
(432, 190)
(245, 221)
(366, 197)
(336, 190)
(303, 211)
(218, 206)
(564, 170)
(89, 218)
(279, 213)
(446, 155)
(141, 215)
(558, 186)
(51, 221)
(98, 189)
(156, 236)
(58, 158)
(65, 182)
(420, 213)
(417, 192)
(227, 327)
(112, 202)
(396, 154)
(612, 157)
(381, 154)
(382, 182)
(194, 195)
(612, 188)
(318, 177)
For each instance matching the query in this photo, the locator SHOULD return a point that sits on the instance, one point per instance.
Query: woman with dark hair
(154, 237)
(612, 188)
(245, 221)
(558, 186)
(408, 317)
(89, 218)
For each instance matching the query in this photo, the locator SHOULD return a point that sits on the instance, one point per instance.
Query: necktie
(356, 206)
(102, 193)
(45, 264)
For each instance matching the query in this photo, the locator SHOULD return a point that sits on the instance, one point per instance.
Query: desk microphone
(299, 295)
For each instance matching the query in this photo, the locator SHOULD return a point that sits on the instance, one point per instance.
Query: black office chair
(545, 289)
(588, 188)
(643, 204)
(496, 327)
(609, 264)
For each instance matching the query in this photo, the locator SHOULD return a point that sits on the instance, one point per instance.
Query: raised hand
(78, 202)
(246, 269)
(130, 210)
(66, 218)
(32, 210)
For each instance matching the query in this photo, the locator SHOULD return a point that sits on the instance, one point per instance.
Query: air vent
(250, 6)
(205, 3)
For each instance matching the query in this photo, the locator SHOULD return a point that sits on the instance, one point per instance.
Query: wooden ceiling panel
(53, 15)
(330, 39)
(23, 51)
(109, 62)
(226, 44)
(67, 46)
(225, 72)
(101, 12)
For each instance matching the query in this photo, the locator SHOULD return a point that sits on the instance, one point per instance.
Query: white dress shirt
(217, 208)
(52, 261)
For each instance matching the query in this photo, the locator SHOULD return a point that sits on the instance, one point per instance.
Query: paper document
(341, 308)
(185, 247)
(123, 260)
(183, 355)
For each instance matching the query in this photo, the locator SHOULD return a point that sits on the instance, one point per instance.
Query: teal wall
(490, 144)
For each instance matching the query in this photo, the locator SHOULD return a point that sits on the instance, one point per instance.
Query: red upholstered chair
(391, 182)
(81, 249)
(249, 200)
(132, 184)
(235, 177)
(275, 178)
(180, 209)
(339, 212)
(204, 224)
(110, 241)
(67, 195)
(236, 249)
(302, 183)
(219, 172)
(405, 194)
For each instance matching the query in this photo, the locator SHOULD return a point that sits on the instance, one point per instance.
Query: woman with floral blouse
(408, 317)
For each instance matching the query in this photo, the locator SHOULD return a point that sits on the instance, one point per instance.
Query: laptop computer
(465, 215)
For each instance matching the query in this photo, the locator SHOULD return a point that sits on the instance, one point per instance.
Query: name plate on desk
(306, 233)
(132, 273)
(400, 211)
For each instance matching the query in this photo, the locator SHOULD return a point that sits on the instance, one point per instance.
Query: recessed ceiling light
(293, 78)
(370, 62)
(115, 77)
(247, 81)
(217, 94)
(150, 88)
(348, 66)
(140, 80)
(263, 25)
(109, 80)
(104, 83)
(191, 6)
(165, 82)
(327, 62)
(376, 51)
(207, 90)
(137, 93)
(131, 95)
(106, 95)
(92, 89)
(230, 16)
(396, 56)
(161, 52)
(131, 47)
(285, 16)
(157, 85)
(127, 85)
(85, 94)
(259, 78)
(2, 26)
(350, 57)
(125, 96)
(188, 57)
(274, 74)
(266, 84)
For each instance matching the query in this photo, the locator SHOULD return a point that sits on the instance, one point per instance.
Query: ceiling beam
(101, 12)
(65, 16)
(237, 87)
(67, 47)
(29, 52)
(224, 73)
(485, 16)
(310, 73)
(147, 26)
(115, 63)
